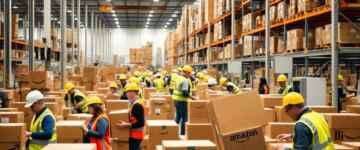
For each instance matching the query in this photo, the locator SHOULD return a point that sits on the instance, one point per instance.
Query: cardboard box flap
(238, 112)
(188, 143)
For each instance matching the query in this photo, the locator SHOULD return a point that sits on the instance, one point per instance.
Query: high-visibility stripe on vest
(101, 144)
(135, 133)
(320, 131)
(159, 84)
(173, 81)
(36, 126)
(178, 95)
(235, 90)
(286, 90)
(83, 108)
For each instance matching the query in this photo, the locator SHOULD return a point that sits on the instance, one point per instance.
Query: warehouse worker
(284, 88)
(42, 127)
(159, 83)
(122, 78)
(311, 130)
(147, 80)
(343, 93)
(171, 81)
(230, 87)
(136, 117)
(97, 129)
(212, 83)
(114, 92)
(181, 94)
(75, 98)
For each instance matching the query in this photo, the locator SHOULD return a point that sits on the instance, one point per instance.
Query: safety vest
(320, 131)
(159, 84)
(235, 90)
(83, 108)
(135, 133)
(173, 81)
(177, 95)
(101, 144)
(36, 126)
(286, 90)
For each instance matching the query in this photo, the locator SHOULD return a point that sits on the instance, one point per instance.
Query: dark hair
(98, 109)
(300, 106)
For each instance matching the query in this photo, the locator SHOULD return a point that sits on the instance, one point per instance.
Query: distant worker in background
(343, 92)
(114, 92)
(122, 83)
(147, 80)
(212, 83)
(97, 129)
(159, 83)
(171, 80)
(42, 127)
(4, 100)
(136, 120)
(263, 86)
(311, 130)
(284, 87)
(75, 98)
(230, 87)
(181, 94)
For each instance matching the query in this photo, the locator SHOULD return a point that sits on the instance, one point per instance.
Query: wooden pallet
(258, 55)
(293, 50)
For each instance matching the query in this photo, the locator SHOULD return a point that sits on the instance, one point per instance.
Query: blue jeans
(181, 115)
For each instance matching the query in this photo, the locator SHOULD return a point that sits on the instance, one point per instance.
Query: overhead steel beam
(7, 43)
(63, 42)
(30, 47)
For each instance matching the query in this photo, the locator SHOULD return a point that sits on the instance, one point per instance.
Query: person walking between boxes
(230, 87)
(181, 94)
(159, 83)
(113, 90)
(97, 129)
(136, 117)
(42, 127)
(284, 88)
(311, 130)
(75, 98)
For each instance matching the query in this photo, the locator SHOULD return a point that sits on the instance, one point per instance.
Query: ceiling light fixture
(167, 23)
(114, 15)
(174, 15)
(148, 19)
(156, 0)
(150, 15)
(151, 11)
(15, 7)
(171, 19)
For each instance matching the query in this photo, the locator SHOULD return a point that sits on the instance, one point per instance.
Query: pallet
(327, 46)
(246, 56)
(258, 55)
(293, 50)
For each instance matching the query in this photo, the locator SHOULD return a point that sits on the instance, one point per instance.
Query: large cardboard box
(270, 114)
(69, 130)
(11, 117)
(323, 109)
(8, 109)
(82, 116)
(198, 111)
(343, 120)
(90, 74)
(81, 146)
(273, 129)
(200, 132)
(354, 145)
(202, 91)
(115, 117)
(353, 109)
(12, 132)
(189, 144)
(159, 130)
(147, 92)
(112, 105)
(160, 109)
(271, 101)
(40, 80)
(238, 120)
(281, 115)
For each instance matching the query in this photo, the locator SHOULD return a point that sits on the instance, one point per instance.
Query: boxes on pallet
(344, 126)
(236, 121)
(200, 131)
(12, 136)
(292, 9)
(273, 13)
(273, 129)
(112, 105)
(198, 111)
(11, 117)
(81, 146)
(274, 44)
(116, 117)
(160, 109)
(69, 131)
(160, 130)
(189, 144)
(305, 5)
(348, 34)
(297, 39)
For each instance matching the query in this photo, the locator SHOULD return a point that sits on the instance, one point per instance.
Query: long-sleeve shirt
(47, 125)
(100, 132)
(303, 136)
(185, 88)
(137, 112)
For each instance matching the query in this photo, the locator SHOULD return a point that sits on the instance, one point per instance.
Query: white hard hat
(157, 75)
(212, 81)
(33, 97)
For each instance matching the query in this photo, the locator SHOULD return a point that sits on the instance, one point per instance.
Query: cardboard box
(343, 120)
(273, 129)
(271, 101)
(147, 92)
(200, 132)
(12, 132)
(345, 134)
(169, 100)
(112, 105)
(189, 144)
(90, 74)
(323, 109)
(83, 117)
(8, 109)
(120, 145)
(350, 109)
(159, 130)
(270, 114)
(198, 111)
(66, 112)
(11, 117)
(115, 117)
(69, 130)
(81, 146)
(239, 118)
(202, 91)
(160, 109)
(40, 80)
(354, 145)
(12, 146)
(281, 115)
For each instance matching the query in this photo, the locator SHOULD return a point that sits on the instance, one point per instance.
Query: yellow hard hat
(137, 73)
(122, 77)
(113, 85)
(200, 75)
(94, 100)
(222, 80)
(187, 69)
(132, 87)
(68, 86)
(179, 69)
(281, 78)
(292, 98)
(340, 77)
(134, 80)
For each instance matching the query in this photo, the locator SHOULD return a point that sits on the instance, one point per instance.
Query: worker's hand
(284, 137)
(84, 127)
(122, 124)
(27, 134)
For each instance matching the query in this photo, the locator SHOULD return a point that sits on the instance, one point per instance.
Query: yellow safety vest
(236, 89)
(320, 130)
(36, 126)
(177, 95)
(286, 90)
(84, 108)
(173, 81)
(159, 84)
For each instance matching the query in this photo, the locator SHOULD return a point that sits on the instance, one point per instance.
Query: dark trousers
(134, 144)
(181, 115)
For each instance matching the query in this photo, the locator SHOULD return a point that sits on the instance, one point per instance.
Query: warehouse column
(267, 40)
(47, 32)
(72, 31)
(95, 38)
(334, 51)
(63, 41)
(30, 47)
(7, 43)
(233, 23)
(92, 38)
(86, 35)
(78, 33)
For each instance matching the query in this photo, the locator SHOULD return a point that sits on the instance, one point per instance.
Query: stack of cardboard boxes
(69, 131)
(141, 55)
(12, 136)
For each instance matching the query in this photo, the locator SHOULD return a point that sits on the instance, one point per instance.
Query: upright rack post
(63, 42)
(30, 46)
(267, 40)
(86, 35)
(78, 32)
(7, 43)
(334, 53)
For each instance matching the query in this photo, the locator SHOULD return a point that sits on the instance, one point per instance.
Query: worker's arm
(185, 88)
(101, 127)
(303, 137)
(137, 113)
(48, 126)
(229, 88)
(79, 100)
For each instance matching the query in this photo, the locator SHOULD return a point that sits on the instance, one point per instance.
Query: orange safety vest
(135, 133)
(101, 144)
